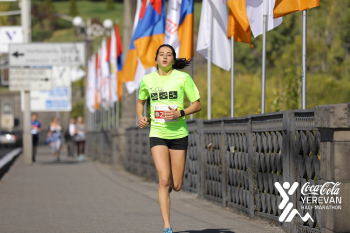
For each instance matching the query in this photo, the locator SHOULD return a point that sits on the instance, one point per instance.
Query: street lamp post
(90, 32)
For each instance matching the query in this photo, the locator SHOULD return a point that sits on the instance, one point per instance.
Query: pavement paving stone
(80, 197)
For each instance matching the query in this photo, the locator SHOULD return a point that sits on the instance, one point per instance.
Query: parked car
(10, 139)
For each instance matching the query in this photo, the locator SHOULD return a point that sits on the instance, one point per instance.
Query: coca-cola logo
(328, 188)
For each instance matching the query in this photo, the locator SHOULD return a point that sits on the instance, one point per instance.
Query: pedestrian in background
(36, 128)
(55, 138)
(80, 138)
(69, 138)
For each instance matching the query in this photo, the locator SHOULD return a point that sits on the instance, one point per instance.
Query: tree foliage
(328, 62)
(73, 10)
(109, 4)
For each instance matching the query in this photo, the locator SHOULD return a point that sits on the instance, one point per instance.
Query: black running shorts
(35, 140)
(173, 144)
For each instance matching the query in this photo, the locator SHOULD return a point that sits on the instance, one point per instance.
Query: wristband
(182, 113)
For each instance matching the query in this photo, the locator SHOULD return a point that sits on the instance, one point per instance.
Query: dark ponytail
(180, 63)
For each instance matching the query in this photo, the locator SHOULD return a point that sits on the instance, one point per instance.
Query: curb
(7, 161)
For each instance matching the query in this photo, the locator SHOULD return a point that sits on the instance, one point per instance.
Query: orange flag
(285, 7)
(238, 24)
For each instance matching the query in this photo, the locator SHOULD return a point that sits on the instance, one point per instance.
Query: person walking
(80, 138)
(169, 133)
(36, 128)
(55, 138)
(69, 138)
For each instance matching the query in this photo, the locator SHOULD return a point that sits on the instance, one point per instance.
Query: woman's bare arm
(139, 111)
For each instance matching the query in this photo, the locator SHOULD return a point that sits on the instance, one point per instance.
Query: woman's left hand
(171, 114)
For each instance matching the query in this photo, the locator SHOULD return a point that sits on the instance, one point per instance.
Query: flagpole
(102, 118)
(90, 121)
(304, 55)
(94, 120)
(97, 119)
(209, 69)
(263, 80)
(110, 113)
(117, 112)
(232, 77)
(113, 115)
(108, 117)
(191, 116)
(137, 97)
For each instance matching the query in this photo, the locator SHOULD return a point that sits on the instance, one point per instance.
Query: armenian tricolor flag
(185, 31)
(149, 34)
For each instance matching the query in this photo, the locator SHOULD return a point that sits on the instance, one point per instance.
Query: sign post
(27, 37)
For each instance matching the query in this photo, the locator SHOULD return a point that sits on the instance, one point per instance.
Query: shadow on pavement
(207, 231)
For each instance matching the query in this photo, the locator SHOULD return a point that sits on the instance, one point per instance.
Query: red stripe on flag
(157, 5)
(143, 9)
(108, 49)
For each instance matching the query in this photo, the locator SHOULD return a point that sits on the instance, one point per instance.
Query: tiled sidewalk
(89, 197)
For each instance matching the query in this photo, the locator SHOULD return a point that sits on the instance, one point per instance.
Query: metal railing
(235, 162)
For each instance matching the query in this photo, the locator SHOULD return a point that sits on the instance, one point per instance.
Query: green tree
(4, 6)
(49, 2)
(109, 5)
(73, 10)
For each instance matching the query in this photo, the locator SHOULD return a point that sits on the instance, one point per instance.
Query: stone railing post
(223, 166)
(119, 146)
(251, 170)
(199, 151)
(333, 122)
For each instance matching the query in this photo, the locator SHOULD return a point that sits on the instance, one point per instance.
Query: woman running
(169, 134)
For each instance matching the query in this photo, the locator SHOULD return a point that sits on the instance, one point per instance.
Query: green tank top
(167, 91)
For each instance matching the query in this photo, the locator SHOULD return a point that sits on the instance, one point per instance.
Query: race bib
(159, 113)
(34, 131)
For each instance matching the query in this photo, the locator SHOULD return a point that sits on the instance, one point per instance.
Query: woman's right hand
(142, 122)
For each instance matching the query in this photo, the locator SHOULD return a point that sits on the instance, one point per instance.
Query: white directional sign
(58, 99)
(47, 54)
(9, 35)
(29, 79)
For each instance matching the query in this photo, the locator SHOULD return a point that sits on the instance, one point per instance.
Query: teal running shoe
(170, 189)
(168, 230)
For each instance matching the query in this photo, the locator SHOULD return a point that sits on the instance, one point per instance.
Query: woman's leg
(177, 162)
(59, 146)
(78, 147)
(82, 149)
(52, 145)
(161, 160)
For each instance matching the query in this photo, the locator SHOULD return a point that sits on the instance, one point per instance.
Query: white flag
(140, 71)
(76, 73)
(104, 74)
(255, 10)
(113, 67)
(215, 37)
(172, 24)
(90, 92)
